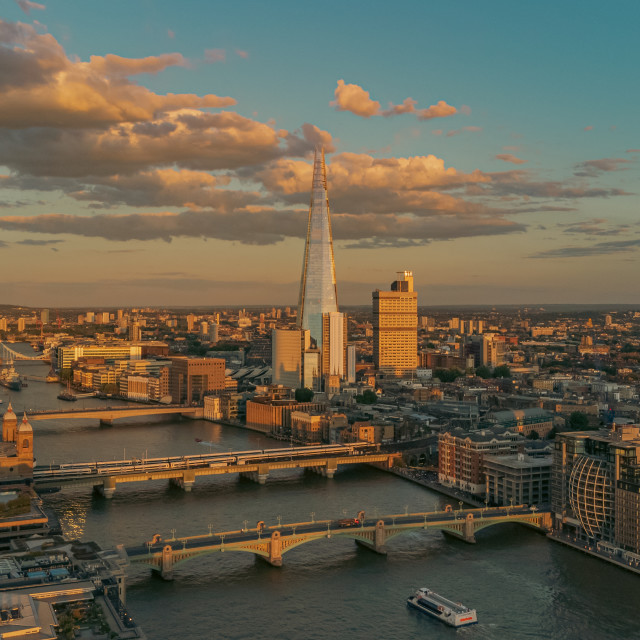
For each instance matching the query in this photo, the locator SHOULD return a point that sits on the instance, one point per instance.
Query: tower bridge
(272, 542)
(184, 470)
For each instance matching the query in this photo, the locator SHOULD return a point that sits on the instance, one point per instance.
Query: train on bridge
(199, 460)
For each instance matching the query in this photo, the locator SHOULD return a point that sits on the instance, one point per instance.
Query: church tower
(24, 441)
(9, 425)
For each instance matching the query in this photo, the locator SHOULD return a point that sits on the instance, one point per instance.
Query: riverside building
(596, 487)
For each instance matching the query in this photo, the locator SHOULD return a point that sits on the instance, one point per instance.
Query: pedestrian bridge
(272, 542)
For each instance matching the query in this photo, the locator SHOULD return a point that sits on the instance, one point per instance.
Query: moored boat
(66, 395)
(10, 379)
(452, 613)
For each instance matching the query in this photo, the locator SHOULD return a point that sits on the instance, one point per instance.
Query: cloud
(593, 168)
(518, 183)
(588, 128)
(27, 5)
(633, 150)
(508, 157)
(37, 243)
(215, 55)
(242, 53)
(440, 110)
(113, 66)
(359, 182)
(601, 248)
(457, 132)
(353, 98)
(171, 34)
(187, 139)
(594, 227)
(167, 188)
(258, 227)
(511, 147)
(42, 87)
(465, 109)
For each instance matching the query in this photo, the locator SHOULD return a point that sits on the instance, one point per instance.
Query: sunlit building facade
(395, 327)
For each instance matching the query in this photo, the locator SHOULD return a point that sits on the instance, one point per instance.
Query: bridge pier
(327, 470)
(465, 530)
(469, 529)
(275, 550)
(166, 563)
(186, 482)
(260, 476)
(108, 487)
(379, 538)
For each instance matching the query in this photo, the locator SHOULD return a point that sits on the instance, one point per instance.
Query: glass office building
(318, 293)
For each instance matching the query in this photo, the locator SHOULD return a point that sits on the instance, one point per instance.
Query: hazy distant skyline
(160, 154)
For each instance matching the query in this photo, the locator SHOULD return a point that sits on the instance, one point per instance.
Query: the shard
(318, 283)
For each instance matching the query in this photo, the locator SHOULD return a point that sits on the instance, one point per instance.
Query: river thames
(522, 584)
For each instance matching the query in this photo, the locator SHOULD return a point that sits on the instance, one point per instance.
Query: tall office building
(395, 327)
(286, 357)
(44, 316)
(318, 293)
(334, 341)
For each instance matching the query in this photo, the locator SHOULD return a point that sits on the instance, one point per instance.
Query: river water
(522, 585)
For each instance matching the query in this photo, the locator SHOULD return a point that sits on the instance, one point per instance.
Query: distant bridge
(270, 543)
(107, 415)
(8, 353)
(183, 470)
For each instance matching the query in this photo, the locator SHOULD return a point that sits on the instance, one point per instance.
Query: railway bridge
(272, 542)
(184, 470)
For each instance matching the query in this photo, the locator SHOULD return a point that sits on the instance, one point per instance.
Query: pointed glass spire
(318, 293)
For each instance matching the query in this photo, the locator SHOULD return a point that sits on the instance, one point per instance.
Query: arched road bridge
(271, 543)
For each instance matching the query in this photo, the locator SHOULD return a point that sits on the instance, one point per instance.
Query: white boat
(451, 613)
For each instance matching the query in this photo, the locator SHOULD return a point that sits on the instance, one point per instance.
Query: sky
(160, 153)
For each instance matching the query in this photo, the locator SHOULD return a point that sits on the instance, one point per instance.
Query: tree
(483, 372)
(304, 394)
(447, 375)
(368, 397)
(534, 435)
(579, 421)
(502, 371)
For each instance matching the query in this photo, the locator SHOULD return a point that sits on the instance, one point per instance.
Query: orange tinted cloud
(457, 132)
(241, 53)
(43, 87)
(117, 66)
(353, 98)
(509, 157)
(27, 5)
(440, 110)
(215, 55)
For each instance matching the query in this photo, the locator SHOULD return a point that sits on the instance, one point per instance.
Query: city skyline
(167, 160)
